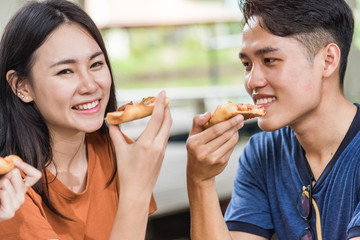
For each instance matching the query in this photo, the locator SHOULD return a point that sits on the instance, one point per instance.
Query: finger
(156, 119)
(217, 131)
(32, 174)
(7, 210)
(164, 133)
(117, 137)
(222, 137)
(19, 185)
(7, 187)
(198, 123)
(220, 128)
(226, 149)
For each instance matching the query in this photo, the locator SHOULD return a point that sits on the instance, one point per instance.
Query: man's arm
(208, 154)
(207, 221)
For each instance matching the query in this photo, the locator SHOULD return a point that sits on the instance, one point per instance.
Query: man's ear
(20, 87)
(332, 55)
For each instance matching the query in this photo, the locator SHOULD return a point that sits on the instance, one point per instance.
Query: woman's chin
(92, 126)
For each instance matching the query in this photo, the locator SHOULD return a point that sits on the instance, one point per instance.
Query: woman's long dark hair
(22, 128)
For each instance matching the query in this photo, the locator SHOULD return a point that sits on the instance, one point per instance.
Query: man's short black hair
(315, 23)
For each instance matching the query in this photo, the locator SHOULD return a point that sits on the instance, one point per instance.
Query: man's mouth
(262, 101)
(87, 106)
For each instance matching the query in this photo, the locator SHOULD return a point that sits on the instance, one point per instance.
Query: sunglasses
(305, 202)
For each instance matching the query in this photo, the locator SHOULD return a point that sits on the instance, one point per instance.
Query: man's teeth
(87, 105)
(265, 100)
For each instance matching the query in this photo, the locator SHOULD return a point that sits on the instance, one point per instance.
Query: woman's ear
(332, 55)
(20, 87)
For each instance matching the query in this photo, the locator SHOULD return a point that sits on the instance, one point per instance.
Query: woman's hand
(139, 163)
(13, 188)
(209, 150)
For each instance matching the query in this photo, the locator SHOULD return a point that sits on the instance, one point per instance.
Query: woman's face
(70, 80)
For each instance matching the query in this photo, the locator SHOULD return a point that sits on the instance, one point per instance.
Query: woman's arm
(139, 166)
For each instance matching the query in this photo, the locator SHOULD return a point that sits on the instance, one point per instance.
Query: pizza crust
(229, 110)
(7, 164)
(132, 112)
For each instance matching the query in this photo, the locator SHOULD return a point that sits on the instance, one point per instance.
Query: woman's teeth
(87, 106)
(265, 100)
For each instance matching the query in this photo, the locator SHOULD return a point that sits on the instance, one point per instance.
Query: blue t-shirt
(272, 171)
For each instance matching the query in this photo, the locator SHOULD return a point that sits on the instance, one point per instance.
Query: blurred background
(189, 48)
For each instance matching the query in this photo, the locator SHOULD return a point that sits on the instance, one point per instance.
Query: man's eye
(65, 71)
(269, 60)
(247, 65)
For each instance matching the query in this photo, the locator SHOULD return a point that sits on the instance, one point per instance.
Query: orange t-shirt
(92, 211)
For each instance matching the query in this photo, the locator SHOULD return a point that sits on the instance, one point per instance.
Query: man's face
(280, 77)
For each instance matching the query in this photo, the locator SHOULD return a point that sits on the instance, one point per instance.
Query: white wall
(7, 9)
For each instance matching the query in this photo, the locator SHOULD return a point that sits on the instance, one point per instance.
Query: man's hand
(209, 150)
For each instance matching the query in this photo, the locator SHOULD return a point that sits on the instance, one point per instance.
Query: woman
(56, 87)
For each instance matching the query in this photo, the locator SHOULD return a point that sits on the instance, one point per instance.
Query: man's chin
(268, 126)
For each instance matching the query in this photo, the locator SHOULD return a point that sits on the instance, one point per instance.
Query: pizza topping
(122, 108)
(148, 100)
(250, 108)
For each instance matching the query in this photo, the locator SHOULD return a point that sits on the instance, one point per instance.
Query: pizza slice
(229, 110)
(7, 163)
(132, 111)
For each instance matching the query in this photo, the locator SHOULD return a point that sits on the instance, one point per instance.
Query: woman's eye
(65, 71)
(97, 64)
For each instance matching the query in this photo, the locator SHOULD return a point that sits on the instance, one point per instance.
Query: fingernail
(240, 119)
(202, 115)
(162, 93)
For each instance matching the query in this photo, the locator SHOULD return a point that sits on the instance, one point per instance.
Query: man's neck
(321, 134)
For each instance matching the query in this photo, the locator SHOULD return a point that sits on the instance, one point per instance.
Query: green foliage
(177, 56)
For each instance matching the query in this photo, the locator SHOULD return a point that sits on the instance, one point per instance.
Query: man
(300, 178)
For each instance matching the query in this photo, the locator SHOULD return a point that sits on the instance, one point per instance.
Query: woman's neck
(69, 163)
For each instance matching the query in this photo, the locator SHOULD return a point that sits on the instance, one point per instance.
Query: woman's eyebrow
(72, 61)
(96, 54)
(61, 62)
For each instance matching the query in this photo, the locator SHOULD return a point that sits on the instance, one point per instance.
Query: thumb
(199, 122)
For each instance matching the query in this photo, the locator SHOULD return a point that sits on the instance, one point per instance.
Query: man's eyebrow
(260, 51)
(72, 61)
(264, 50)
